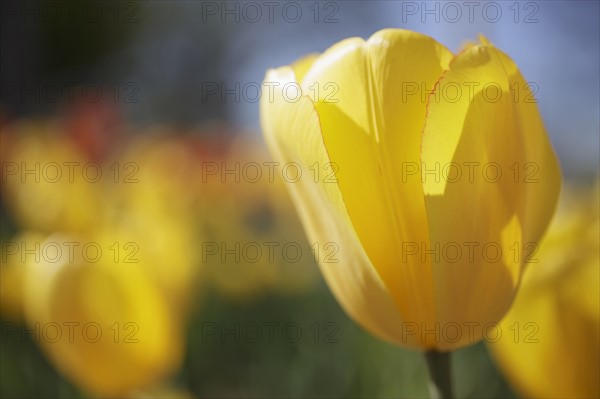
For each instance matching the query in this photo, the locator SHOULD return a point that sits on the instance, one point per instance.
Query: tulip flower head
(551, 348)
(41, 191)
(436, 177)
(122, 334)
(111, 319)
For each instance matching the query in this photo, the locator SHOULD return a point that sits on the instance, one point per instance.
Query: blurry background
(162, 97)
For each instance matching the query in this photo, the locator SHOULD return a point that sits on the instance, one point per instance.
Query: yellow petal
(302, 66)
(372, 128)
(480, 147)
(51, 186)
(104, 324)
(17, 256)
(293, 133)
(552, 331)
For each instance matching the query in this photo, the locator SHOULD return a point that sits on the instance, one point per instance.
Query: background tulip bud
(551, 349)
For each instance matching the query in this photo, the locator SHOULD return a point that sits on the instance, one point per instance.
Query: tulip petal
(479, 150)
(132, 340)
(371, 128)
(552, 329)
(293, 133)
(302, 66)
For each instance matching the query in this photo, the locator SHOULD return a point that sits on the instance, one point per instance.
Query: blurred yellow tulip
(157, 170)
(48, 185)
(434, 169)
(100, 319)
(15, 255)
(166, 249)
(107, 294)
(551, 342)
(248, 217)
(152, 214)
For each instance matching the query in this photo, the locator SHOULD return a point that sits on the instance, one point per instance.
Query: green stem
(440, 374)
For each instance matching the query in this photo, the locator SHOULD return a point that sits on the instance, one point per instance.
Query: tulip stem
(440, 374)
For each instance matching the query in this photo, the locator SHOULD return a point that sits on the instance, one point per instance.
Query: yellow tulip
(112, 323)
(48, 184)
(250, 219)
(15, 256)
(550, 346)
(156, 171)
(149, 215)
(426, 255)
(101, 321)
